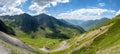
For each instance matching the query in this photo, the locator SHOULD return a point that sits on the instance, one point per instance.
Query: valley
(78, 44)
(47, 31)
(59, 27)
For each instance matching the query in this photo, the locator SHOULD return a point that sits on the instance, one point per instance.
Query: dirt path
(44, 49)
(63, 45)
(4, 50)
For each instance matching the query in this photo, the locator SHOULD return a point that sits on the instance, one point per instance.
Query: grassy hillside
(107, 43)
(49, 26)
(104, 39)
(5, 28)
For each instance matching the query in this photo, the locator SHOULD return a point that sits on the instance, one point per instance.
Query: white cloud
(101, 4)
(85, 14)
(12, 3)
(36, 7)
(40, 5)
(117, 13)
(10, 11)
(48, 2)
(9, 7)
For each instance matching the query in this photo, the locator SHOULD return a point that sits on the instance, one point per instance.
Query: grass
(37, 42)
(71, 42)
(105, 41)
(40, 42)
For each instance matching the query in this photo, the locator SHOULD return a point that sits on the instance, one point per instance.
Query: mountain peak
(25, 14)
(118, 15)
(43, 15)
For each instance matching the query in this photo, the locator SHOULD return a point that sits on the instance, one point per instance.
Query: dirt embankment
(15, 42)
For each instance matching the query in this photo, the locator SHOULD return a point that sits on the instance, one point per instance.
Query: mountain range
(42, 34)
(88, 24)
(52, 27)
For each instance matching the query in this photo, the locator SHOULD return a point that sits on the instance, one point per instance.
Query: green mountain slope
(11, 45)
(51, 27)
(101, 40)
(57, 27)
(6, 29)
(106, 43)
(24, 21)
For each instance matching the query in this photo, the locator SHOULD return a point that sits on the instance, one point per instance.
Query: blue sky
(63, 9)
(77, 4)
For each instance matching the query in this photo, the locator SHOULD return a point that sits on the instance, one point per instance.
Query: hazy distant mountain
(89, 24)
(45, 24)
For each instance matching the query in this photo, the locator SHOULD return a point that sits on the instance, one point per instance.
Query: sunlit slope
(107, 43)
(84, 39)
(102, 40)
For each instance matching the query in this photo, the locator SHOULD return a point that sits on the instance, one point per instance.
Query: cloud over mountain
(11, 7)
(118, 12)
(81, 9)
(39, 5)
(85, 14)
